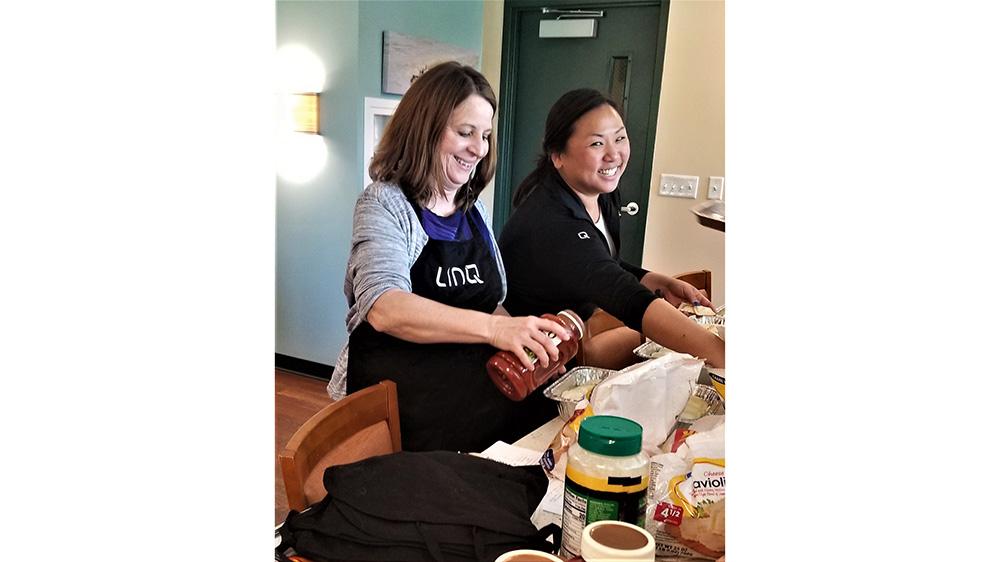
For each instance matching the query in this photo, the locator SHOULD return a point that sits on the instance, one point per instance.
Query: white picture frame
(377, 113)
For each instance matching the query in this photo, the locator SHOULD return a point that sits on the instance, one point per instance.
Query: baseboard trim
(303, 367)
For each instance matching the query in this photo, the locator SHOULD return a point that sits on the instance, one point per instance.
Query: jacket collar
(565, 194)
(570, 199)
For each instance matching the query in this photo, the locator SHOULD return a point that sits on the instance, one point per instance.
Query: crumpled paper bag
(651, 393)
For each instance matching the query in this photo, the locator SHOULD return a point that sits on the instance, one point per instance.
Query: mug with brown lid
(606, 541)
(527, 555)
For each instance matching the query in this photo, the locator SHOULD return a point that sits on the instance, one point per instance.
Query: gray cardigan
(387, 240)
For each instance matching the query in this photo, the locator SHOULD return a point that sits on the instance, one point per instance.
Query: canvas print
(405, 58)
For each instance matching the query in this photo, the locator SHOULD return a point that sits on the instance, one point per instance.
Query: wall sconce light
(299, 113)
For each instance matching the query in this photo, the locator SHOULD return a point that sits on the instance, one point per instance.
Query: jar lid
(610, 435)
(575, 321)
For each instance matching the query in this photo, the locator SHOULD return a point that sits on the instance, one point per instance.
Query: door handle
(632, 208)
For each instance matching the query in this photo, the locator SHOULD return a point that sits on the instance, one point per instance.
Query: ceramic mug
(606, 541)
(527, 555)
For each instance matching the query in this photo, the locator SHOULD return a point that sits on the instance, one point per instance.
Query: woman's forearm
(654, 281)
(420, 320)
(670, 328)
(674, 290)
(416, 319)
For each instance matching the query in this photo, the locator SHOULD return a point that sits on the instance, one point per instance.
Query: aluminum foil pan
(710, 320)
(572, 387)
(649, 350)
(703, 401)
(714, 324)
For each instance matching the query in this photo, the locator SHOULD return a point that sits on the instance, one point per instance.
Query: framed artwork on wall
(405, 58)
(377, 114)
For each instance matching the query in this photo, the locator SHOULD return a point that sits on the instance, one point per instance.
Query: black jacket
(556, 258)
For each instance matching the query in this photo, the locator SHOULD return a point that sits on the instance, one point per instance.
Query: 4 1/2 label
(668, 513)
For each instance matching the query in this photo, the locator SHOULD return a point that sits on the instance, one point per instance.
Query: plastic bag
(686, 507)
(651, 393)
(554, 458)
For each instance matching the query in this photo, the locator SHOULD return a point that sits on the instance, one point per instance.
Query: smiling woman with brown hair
(425, 280)
(561, 243)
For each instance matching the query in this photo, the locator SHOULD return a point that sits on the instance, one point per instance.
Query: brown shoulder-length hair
(407, 154)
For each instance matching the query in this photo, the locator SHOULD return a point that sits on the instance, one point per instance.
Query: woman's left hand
(678, 292)
(519, 334)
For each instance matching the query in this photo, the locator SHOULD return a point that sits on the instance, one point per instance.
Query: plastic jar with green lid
(607, 475)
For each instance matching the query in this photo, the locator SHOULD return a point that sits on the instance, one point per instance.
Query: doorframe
(503, 188)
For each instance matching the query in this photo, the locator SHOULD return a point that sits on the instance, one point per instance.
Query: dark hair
(407, 153)
(559, 127)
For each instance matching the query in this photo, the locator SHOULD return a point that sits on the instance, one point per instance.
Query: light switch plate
(715, 185)
(674, 185)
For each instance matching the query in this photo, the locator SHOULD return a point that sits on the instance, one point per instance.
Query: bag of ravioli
(554, 458)
(686, 507)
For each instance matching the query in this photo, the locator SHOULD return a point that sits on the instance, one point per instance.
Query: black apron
(446, 399)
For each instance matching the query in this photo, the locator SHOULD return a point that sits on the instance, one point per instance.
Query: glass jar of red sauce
(515, 380)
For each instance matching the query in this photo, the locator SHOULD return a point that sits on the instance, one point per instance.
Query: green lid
(610, 435)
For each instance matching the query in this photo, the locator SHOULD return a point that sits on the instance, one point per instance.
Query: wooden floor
(296, 399)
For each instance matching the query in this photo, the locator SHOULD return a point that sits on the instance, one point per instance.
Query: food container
(515, 380)
(526, 555)
(650, 350)
(710, 320)
(572, 387)
(718, 377)
(607, 478)
(714, 324)
(703, 401)
(617, 541)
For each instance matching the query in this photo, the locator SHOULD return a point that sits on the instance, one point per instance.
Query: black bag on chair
(414, 507)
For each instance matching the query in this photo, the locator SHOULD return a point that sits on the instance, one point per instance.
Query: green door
(625, 59)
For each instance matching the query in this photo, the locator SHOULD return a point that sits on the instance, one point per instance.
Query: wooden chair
(702, 280)
(363, 424)
(609, 344)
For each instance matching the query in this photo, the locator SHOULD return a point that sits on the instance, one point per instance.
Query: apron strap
(432, 545)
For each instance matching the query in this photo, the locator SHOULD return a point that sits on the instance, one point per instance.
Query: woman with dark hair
(561, 243)
(425, 280)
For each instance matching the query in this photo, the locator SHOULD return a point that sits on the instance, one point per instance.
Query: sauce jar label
(531, 354)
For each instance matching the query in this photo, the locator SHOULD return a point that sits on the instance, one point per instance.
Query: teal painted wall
(458, 22)
(313, 219)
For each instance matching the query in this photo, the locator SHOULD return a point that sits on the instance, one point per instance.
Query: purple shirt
(453, 228)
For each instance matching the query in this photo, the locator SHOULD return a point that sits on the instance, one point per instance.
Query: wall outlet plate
(674, 185)
(715, 185)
